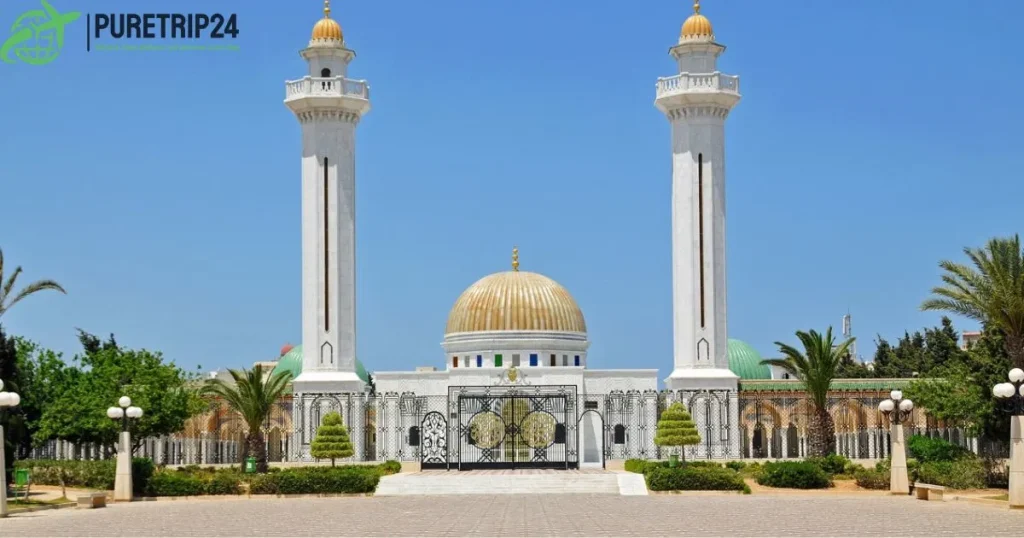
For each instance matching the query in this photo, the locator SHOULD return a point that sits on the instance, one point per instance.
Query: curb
(256, 496)
(40, 508)
(702, 493)
(978, 500)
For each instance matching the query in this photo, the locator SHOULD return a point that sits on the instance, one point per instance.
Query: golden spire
(515, 259)
(327, 28)
(696, 6)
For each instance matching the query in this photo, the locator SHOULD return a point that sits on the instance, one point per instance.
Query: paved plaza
(538, 515)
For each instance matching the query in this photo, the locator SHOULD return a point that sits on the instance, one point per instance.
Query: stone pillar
(1017, 461)
(899, 481)
(123, 478)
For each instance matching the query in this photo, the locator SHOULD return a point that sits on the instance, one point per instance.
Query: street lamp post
(7, 399)
(123, 478)
(896, 409)
(1012, 396)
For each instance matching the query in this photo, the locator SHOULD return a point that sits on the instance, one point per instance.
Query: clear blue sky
(162, 189)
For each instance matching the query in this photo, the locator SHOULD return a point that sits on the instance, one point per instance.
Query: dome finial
(327, 9)
(696, 6)
(515, 259)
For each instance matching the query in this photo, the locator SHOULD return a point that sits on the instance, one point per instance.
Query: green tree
(991, 292)
(7, 296)
(331, 441)
(921, 354)
(252, 396)
(816, 366)
(42, 378)
(105, 373)
(955, 398)
(676, 428)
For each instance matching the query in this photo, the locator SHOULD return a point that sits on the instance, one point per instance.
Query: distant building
(969, 338)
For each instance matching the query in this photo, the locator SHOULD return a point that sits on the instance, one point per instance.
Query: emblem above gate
(512, 376)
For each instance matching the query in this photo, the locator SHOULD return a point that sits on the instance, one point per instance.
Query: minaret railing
(701, 82)
(327, 87)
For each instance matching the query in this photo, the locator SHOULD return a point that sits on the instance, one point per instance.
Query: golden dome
(697, 26)
(515, 301)
(327, 28)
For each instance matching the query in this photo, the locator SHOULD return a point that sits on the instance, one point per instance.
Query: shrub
(174, 484)
(794, 474)
(695, 478)
(389, 467)
(871, 479)
(736, 465)
(223, 483)
(345, 479)
(89, 474)
(331, 441)
(676, 428)
(913, 466)
(965, 473)
(929, 449)
(832, 464)
(635, 466)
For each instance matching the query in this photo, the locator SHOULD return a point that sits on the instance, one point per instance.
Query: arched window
(620, 434)
(325, 72)
(414, 436)
(559, 434)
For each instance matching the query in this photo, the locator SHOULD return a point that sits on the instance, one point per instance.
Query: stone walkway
(551, 515)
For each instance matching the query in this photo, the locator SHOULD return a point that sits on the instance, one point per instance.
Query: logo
(37, 36)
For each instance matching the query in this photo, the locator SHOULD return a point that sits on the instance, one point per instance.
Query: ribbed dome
(515, 301)
(292, 362)
(327, 28)
(745, 361)
(697, 26)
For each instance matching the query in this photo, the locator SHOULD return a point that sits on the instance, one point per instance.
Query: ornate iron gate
(433, 441)
(510, 428)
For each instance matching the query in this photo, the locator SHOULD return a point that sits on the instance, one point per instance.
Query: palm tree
(6, 288)
(816, 366)
(991, 292)
(252, 397)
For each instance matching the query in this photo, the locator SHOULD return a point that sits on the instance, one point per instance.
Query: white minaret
(697, 101)
(328, 106)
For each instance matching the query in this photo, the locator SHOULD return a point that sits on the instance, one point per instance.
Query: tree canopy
(80, 394)
(8, 297)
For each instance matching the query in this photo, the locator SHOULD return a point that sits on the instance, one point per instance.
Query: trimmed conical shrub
(331, 441)
(676, 428)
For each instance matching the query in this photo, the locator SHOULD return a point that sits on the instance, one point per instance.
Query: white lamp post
(896, 409)
(7, 399)
(123, 478)
(1012, 396)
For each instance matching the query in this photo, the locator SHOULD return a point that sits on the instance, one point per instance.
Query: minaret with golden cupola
(328, 106)
(697, 101)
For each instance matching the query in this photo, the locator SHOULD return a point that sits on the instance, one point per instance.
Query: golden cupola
(327, 28)
(697, 27)
(515, 301)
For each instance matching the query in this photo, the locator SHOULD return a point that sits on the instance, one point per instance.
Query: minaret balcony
(331, 92)
(698, 89)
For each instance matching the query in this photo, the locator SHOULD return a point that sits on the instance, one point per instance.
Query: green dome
(292, 362)
(745, 361)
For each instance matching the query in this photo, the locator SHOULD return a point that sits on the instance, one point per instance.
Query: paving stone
(514, 515)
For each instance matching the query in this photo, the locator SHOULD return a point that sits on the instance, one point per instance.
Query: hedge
(645, 466)
(344, 479)
(966, 473)
(872, 479)
(88, 474)
(832, 464)
(794, 474)
(390, 467)
(929, 449)
(695, 478)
